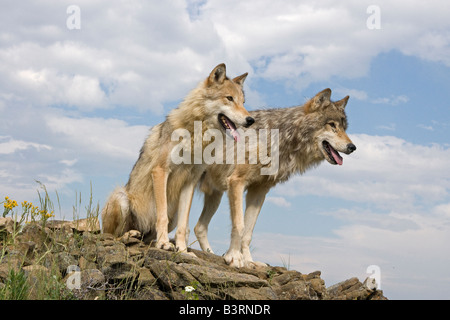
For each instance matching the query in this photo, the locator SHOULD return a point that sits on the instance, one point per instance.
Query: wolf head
(225, 101)
(330, 137)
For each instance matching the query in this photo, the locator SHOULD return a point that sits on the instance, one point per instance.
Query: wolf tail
(116, 214)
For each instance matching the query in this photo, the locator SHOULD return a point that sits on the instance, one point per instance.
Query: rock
(127, 268)
(7, 264)
(91, 225)
(111, 253)
(85, 264)
(353, 289)
(287, 277)
(150, 293)
(170, 275)
(36, 270)
(318, 286)
(295, 290)
(216, 277)
(92, 278)
(81, 225)
(7, 226)
(120, 271)
(91, 286)
(63, 260)
(145, 278)
(177, 257)
(36, 233)
(88, 253)
(248, 293)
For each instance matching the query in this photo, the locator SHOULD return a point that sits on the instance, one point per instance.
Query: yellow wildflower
(9, 204)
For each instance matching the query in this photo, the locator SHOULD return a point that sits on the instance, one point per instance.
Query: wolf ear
(240, 79)
(322, 97)
(342, 103)
(218, 75)
(320, 100)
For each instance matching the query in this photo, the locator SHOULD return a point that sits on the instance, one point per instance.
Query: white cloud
(106, 138)
(119, 56)
(301, 42)
(69, 163)
(391, 100)
(423, 126)
(124, 50)
(8, 145)
(61, 179)
(353, 93)
(48, 87)
(384, 171)
(279, 201)
(391, 126)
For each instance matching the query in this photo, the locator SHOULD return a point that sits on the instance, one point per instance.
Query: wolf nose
(250, 121)
(351, 147)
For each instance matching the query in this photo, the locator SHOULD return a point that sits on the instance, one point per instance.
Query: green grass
(15, 287)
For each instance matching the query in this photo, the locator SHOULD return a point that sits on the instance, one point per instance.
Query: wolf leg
(254, 201)
(159, 176)
(184, 206)
(236, 187)
(211, 203)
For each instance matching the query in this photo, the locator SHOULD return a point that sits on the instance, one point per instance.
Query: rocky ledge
(98, 266)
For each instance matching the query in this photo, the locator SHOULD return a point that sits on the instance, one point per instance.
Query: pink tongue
(235, 134)
(336, 157)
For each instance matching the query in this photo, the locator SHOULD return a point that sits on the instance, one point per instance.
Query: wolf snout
(351, 147)
(249, 121)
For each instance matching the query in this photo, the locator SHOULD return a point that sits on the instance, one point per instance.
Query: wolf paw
(133, 234)
(129, 237)
(165, 246)
(190, 254)
(234, 259)
(184, 250)
(255, 264)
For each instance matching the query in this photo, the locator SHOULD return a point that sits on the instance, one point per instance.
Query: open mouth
(333, 155)
(229, 126)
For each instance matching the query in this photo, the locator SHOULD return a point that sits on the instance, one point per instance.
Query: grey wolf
(159, 192)
(308, 135)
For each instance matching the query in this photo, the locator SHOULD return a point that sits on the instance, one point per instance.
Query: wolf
(308, 135)
(159, 192)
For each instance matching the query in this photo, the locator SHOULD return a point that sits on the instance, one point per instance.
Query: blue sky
(76, 106)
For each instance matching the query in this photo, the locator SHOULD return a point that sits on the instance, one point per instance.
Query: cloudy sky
(80, 88)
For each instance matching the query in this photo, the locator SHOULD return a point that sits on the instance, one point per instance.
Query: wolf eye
(332, 124)
(230, 98)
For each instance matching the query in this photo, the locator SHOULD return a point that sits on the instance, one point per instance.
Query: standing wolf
(308, 135)
(159, 192)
